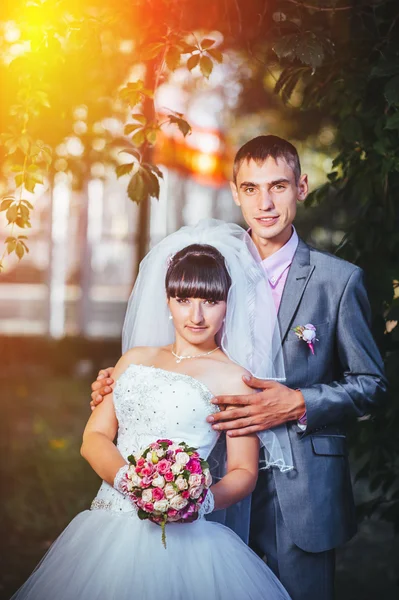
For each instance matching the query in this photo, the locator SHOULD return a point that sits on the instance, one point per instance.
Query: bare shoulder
(231, 379)
(140, 355)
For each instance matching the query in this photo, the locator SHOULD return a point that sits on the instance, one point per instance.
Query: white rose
(195, 479)
(308, 335)
(178, 503)
(161, 505)
(208, 477)
(134, 478)
(181, 483)
(170, 491)
(176, 468)
(196, 492)
(147, 495)
(160, 452)
(159, 481)
(182, 458)
(173, 447)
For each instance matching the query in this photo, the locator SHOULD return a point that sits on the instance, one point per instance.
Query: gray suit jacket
(343, 380)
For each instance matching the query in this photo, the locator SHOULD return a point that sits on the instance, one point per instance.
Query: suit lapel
(298, 277)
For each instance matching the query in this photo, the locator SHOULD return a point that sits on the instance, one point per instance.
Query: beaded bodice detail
(152, 403)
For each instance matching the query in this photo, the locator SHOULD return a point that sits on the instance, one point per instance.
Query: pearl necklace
(180, 358)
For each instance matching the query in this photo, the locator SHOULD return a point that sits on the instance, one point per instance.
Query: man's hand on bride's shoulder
(101, 386)
(273, 405)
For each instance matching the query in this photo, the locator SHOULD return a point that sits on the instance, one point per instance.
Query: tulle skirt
(102, 555)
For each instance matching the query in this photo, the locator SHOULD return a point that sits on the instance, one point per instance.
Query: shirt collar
(276, 264)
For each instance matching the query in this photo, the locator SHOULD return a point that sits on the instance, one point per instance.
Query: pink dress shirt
(277, 266)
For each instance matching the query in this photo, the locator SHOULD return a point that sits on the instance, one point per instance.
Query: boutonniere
(307, 333)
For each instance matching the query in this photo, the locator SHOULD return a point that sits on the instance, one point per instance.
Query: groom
(300, 516)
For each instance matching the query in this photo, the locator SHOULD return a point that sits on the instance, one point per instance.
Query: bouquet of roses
(167, 482)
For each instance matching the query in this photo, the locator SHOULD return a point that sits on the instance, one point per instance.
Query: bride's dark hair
(198, 271)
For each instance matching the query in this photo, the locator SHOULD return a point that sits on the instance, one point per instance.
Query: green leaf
(151, 136)
(391, 90)
(392, 121)
(216, 54)
(151, 50)
(152, 183)
(124, 169)
(132, 152)
(137, 189)
(139, 138)
(27, 203)
(19, 180)
(187, 48)
(132, 459)
(24, 143)
(6, 203)
(12, 213)
(154, 168)
(310, 51)
(20, 222)
(11, 245)
(140, 118)
(206, 66)
(207, 43)
(286, 46)
(24, 211)
(19, 250)
(386, 68)
(193, 61)
(172, 58)
(130, 127)
(184, 127)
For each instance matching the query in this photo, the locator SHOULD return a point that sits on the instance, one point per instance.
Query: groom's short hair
(264, 146)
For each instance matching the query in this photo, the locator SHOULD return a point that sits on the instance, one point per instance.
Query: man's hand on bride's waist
(273, 405)
(102, 386)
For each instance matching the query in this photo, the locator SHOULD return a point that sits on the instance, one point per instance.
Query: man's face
(267, 194)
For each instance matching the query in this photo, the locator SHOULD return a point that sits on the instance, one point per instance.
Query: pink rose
(147, 495)
(172, 512)
(157, 494)
(140, 463)
(163, 466)
(194, 465)
(147, 470)
(170, 491)
(181, 483)
(185, 494)
(195, 479)
(146, 482)
(196, 492)
(169, 476)
(149, 507)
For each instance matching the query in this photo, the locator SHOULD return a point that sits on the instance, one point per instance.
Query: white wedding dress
(108, 553)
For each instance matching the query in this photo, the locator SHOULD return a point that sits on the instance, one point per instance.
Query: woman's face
(197, 320)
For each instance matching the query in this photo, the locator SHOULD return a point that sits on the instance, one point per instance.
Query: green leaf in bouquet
(132, 460)
(204, 464)
(142, 514)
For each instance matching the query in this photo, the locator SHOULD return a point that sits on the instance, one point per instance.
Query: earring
(170, 317)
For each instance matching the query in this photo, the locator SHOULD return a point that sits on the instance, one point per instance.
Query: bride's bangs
(198, 274)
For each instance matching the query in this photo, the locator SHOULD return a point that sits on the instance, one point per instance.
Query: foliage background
(319, 65)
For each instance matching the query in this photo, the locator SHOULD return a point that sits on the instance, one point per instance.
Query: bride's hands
(273, 405)
(102, 386)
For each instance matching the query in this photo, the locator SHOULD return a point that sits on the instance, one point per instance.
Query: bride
(182, 348)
